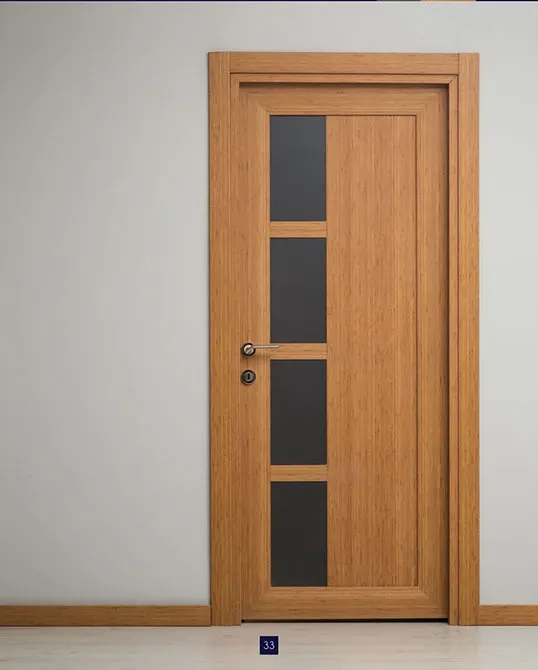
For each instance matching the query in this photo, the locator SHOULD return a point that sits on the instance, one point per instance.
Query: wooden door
(340, 193)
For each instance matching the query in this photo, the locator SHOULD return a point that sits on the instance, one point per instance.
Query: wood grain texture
(468, 341)
(289, 78)
(298, 473)
(105, 615)
(465, 492)
(432, 347)
(508, 615)
(343, 63)
(299, 229)
(342, 100)
(453, 369)
(224, 355)
(395, 530)
(252, 216)
(311, 352)
(371, 337)
(344, 603)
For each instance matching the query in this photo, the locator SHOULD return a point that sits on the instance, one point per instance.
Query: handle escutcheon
(249, 349)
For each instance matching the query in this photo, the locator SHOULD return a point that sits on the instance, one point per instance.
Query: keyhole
(248, 377)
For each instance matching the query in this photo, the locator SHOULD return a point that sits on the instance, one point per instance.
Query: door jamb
(460, 73)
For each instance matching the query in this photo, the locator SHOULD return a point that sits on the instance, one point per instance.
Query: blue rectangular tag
(269, 645)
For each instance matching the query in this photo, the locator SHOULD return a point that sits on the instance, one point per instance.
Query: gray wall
(103, 282)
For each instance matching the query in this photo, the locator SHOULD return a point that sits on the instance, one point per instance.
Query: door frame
(459, 72)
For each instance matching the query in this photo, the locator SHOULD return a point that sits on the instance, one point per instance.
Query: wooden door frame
(459, 72)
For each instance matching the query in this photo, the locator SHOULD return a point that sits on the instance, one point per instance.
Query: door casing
(459, 73)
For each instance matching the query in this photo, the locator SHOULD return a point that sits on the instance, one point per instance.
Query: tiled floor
(303, 646)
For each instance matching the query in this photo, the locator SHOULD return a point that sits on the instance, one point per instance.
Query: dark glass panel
(299, 533)
(297, 170)
(298, 290)
(298, 412)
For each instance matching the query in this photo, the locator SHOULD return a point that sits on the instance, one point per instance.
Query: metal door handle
(249, 349)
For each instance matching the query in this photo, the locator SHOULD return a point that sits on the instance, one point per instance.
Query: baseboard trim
(105, 615)
(508, 615)
(193, 615)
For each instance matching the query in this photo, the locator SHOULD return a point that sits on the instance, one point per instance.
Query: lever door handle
(249, 349)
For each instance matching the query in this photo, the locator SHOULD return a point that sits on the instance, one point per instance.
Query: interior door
(341, 194)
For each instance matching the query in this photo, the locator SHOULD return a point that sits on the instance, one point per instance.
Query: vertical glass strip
(299, 533)
(298, 412)
(298, 173)
(298, 290)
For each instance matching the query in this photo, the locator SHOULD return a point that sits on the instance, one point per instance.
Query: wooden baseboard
(508, 615)
(105, 615)
(193, 615)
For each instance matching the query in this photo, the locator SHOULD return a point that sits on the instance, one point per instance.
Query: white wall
(103, 282)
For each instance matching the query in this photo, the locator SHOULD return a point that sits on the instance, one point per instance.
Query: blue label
(269, 645)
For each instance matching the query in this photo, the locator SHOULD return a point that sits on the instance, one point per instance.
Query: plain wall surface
(104, 284)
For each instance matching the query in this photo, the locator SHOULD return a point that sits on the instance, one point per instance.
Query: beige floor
(304, 646)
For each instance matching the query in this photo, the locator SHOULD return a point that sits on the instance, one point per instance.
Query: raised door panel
(372, 342)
